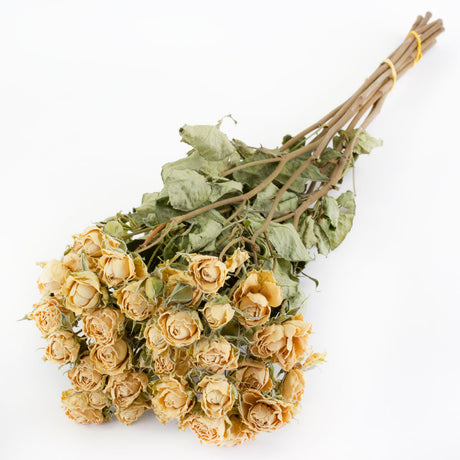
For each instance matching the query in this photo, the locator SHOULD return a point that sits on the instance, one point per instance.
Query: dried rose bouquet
(190, 305)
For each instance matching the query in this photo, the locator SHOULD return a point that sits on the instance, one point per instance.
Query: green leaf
(224, 187)
(329, 236)
(311, 172)
(284, 239)
(364, 144)
(254, 175)
(164, 211)
(204, 231)
(307, 231)
(289, 283)
(331, 209)
(264, 200)
(209, 141)
(192, 161)
(347, 202)
(327, 156)
(187, 190)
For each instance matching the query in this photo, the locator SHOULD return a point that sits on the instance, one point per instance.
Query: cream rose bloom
(47, 314)
(52, 277)
(208, 272)
(238, 432)
(91, 242)
(82, 292)
(111, 359)
(171, 399)
(98, 399)
(85, 377)
(218, 314)
(116, 267)
(126, 387)
(180, 328)
(285, 343)
(72, 261)
(154, 339)
(78, 408)
(293, 385)
(253, 374)
(103, 325)
(217, 397)
(134, 303)
(255, 296)
(262, 413)
(215, 355)
(62, 347)
(133, 412)
(209, 430)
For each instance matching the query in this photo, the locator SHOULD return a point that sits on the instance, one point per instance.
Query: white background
(92, 94)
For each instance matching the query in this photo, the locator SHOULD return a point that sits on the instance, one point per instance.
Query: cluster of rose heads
(197, 339)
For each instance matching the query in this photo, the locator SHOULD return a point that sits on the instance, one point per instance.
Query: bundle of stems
(352, 116)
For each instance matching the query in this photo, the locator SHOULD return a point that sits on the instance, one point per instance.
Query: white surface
(92, 96)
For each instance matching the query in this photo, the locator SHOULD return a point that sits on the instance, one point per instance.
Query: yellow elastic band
(393, 71)
(419, 54)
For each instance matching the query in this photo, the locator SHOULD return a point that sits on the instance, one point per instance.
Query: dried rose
(218, 314)
(208, 272)
(253, 374)
(134, 303)
(293, 385)
(85, 377)
(52, 277)
(255, 296)
(47, 314)
(217, 396)
(215, 355)
(78, 408)
(171, 400)
(285, 343)
(62, 347)
(103, 325)
(126, 387)
(180, 328)
(262, 413)
(82, 292)
(111, 359)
